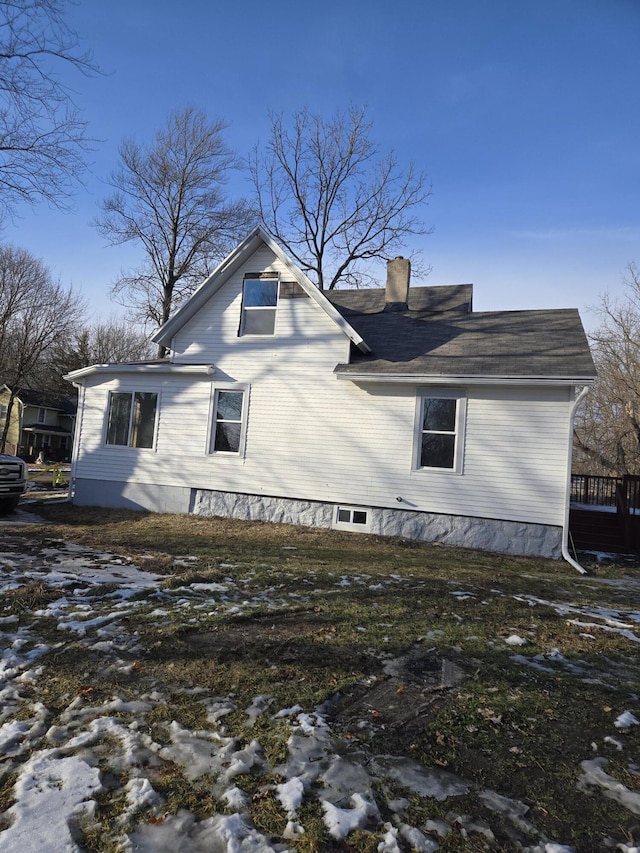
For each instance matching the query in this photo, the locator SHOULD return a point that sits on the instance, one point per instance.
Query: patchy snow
(52, 793)
(425, 781)
(515, 640)
(626, 720)
(357, 815)
(594, 776)
(65, 757)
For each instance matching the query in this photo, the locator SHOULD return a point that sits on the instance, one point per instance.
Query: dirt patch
(402, 699)
(257, 630)
(397, 698)
(300, 637)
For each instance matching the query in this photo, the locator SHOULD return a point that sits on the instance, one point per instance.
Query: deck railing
(605, 491)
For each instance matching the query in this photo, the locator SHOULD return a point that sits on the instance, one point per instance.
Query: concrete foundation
(507, 537)
(489, 534)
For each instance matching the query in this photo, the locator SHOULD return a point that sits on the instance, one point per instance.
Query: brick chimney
(397, 292)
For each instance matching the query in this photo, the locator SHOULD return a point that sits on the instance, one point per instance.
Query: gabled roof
(431, 343)
(44, 400)
(229, 266)
(437, 337)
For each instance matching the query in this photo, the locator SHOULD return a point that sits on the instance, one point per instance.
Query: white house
(398, 411)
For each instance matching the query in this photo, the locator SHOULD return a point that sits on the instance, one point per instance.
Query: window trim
(460, 396)
(352, 526)
(213, 408)
(128, 446)
(267, 277)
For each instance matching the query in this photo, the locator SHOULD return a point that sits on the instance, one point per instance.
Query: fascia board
(112, 369)
(426, 379)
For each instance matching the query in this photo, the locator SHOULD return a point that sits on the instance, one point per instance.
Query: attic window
(259, 304)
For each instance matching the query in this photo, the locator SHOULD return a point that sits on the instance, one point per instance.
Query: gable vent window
(351, 518)
(259, 305)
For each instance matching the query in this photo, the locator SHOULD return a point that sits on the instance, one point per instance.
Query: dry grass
(507, 727)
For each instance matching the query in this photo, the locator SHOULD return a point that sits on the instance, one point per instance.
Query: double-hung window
(259, 305)
(440, 430)
(131, 419)
(229, 420)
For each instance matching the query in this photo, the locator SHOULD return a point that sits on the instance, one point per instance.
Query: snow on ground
(62, 767)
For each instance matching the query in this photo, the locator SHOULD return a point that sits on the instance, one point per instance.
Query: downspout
(565, 529)
(76, 440)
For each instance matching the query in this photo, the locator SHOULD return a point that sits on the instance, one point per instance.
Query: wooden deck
(605, 513)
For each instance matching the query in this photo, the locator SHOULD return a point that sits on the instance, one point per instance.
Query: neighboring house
(13, 435)
(39, 423)
(398, 412)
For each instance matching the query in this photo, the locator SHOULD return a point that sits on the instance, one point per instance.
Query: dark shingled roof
(62, 402)
(439, 335)
(456, 297)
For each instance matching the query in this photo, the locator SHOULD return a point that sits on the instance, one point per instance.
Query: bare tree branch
(108, 341)
(42, 135)
(37, 315)
(334, 203)
(170, 198)
(608, 423)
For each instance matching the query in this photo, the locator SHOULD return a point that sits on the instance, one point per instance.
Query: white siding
(305, 337)
(311, 436)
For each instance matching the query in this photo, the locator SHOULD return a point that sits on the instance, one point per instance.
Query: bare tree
(113, 340)
(170, 198)
(334, 202)
(42, 135)
(37, 314)
(607, 435)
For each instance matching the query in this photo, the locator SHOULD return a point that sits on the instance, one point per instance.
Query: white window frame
(360, 527)
(42, 415)
(213, 420)
(129, 447)
(460, 396)
(249, 308)
(4, 408)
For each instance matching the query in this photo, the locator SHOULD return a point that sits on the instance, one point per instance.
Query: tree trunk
(5, 431)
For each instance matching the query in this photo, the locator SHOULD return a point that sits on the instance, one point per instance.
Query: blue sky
(524, 115)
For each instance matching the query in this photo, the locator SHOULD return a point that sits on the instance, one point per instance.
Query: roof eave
(107, 369)
(467, 379)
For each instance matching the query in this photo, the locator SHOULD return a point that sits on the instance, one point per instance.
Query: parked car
(13, 481)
